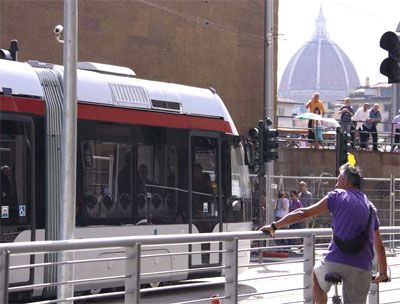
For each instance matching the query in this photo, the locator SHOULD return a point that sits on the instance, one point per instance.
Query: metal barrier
(133, 258)
(384, 193)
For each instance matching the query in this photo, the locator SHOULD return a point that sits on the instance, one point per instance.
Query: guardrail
(133, 259)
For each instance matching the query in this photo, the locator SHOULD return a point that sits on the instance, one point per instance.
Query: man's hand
(268, 229)
(379, 277)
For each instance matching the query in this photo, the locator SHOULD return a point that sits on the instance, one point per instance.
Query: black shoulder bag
(356, 244)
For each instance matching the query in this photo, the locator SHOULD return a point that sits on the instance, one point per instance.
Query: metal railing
(296, 135)
(384, 193)
(380, 191)
(134, 272)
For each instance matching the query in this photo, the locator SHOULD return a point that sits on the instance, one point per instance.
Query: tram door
(205, 196)
(16, 188)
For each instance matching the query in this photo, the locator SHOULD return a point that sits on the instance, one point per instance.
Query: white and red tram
(153, 158)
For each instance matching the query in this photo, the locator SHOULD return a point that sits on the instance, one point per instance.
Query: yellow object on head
(351, 159)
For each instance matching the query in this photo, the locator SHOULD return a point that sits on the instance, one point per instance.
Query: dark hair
(280, 194)
(293, 192)
(353, 174)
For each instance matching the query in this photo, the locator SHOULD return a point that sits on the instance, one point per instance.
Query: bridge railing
(132, 255)
(294, 133)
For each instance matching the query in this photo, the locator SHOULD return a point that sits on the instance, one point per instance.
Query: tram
(152, 158)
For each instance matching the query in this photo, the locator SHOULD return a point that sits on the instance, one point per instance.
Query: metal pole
(309, 260)
(132, 281)
(68, 163)
(337, 149)
(269, 62)
(396, 100)
(261, 183)
(4, 273)
(231, 272)
(269, 72)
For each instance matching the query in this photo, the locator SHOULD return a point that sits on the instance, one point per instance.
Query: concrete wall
(205, 43)
(310, 162)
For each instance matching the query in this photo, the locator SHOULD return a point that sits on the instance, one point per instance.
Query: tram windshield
(240, 174)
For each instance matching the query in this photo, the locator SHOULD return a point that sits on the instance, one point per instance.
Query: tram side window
(159, 196)
(106, 200)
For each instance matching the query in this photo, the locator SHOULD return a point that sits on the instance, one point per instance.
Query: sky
(356, 26)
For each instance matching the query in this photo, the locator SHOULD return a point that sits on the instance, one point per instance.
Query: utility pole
(269, 92)
(68, 149)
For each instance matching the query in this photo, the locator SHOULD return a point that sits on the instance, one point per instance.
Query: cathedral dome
(319, 65)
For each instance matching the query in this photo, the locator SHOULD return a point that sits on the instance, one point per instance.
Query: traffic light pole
(396, 99)
(337, 151)
(261, 184)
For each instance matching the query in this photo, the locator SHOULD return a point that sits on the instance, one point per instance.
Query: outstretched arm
(298, 215)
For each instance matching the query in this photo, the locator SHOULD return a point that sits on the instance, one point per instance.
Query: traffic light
(390, 65)
(264, 144)
(343, 142)
(254, 152)
(270, 151)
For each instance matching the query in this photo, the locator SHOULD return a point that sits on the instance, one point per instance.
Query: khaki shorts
(356, 281)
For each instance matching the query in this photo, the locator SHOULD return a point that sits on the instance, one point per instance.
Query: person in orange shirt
(315, 102)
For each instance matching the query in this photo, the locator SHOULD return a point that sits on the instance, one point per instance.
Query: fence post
(392, 209)
(4, 270)
(309, 260)
(373, 296)
(231, 272)
(132, 271)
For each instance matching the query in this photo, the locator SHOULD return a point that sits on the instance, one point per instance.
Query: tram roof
(120, 91)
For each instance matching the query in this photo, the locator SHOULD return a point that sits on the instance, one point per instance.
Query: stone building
(208, 43)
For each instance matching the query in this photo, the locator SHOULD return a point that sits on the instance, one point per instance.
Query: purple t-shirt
(350, 211)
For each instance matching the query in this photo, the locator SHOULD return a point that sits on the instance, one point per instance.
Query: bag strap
(371, 211)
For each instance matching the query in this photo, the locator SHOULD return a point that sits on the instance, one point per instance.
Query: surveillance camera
(58, 29)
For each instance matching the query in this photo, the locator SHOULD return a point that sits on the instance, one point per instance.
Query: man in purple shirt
(352, 215)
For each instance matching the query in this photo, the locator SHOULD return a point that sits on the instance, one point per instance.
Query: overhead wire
(205, 22)
(224, 28)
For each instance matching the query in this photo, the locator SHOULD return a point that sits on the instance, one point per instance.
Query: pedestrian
(315, 102)
(281, 208)
(396, 128)
(311, 105)
(362, 114)
(370, 125)
(346, 113)
(295, 203)
(355, 227)
(306, 199)
(315, 128)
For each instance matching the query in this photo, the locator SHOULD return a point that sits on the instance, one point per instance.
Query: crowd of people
(360, 125)
(288, 202)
